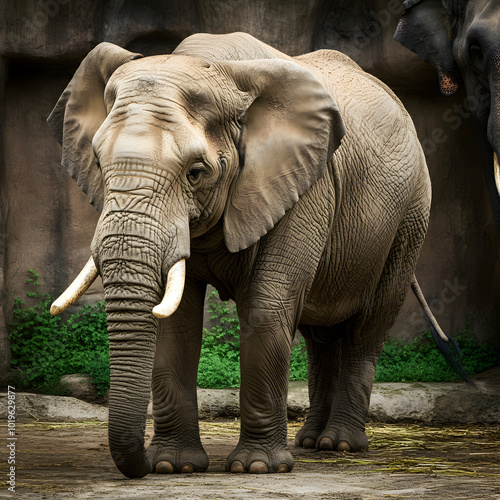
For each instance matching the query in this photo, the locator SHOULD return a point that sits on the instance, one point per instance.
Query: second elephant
(296, 186)
(461, 40)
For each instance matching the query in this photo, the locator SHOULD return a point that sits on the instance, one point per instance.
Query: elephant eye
(476, 57)
(195, 172)
(97, 161)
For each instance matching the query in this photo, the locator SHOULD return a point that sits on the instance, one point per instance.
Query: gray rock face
(78, 386)
(41, 407)
(436, 403)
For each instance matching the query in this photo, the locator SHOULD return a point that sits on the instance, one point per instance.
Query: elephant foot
(256, 459)
(342, 439)
(307, 437)
(170, 459)
(332, 439)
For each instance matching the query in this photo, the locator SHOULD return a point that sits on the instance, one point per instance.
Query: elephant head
(461, 39)
(166, 147)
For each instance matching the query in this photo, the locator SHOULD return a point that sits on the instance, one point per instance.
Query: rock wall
(46, 223)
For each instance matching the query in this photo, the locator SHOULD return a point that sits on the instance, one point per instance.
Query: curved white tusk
(496, 168)
(173, 291)
(79, 286)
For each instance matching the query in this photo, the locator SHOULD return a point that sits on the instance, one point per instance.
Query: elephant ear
(79, 113)
(290, 131)
(425, 29)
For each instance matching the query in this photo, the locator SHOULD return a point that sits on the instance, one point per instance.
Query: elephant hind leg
(340, 378)
(363, 339)
(345, 428)
(324, 348)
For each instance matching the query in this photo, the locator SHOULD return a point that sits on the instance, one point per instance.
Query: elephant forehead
(143, 136)
(160, 75)
(172, 84)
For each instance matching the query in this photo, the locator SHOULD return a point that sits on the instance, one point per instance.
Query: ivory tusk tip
(173, 291)
(55, 309)
(496, 169)
(160, 313)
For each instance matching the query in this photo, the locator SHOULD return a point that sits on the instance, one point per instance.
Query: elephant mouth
(174, 289)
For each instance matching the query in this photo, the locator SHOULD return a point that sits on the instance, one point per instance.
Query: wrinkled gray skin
(236, 156)
(461, 39)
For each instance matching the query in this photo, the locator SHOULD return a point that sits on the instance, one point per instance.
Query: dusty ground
(71, 460)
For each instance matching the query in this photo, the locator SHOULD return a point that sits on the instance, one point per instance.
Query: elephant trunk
(133, 265)
(132, 348)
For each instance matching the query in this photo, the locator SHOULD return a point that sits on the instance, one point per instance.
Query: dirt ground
(72, 460)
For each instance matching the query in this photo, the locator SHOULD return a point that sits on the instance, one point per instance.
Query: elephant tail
(446, 344)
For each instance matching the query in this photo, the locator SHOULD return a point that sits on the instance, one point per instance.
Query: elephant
(460, 40)
(294, 185)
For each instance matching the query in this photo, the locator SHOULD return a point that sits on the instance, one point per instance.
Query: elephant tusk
(173, 291)
(496, 168)
(79, 286)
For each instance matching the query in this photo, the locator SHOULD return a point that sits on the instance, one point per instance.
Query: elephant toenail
(309, 443)
(237, 467)
(164, 468)
(283, 468)
(187, 468)
(343, 446)
(325, 444)
(258, 467)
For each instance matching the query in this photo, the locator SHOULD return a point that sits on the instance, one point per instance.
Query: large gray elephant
(461, 39)
(296, 186)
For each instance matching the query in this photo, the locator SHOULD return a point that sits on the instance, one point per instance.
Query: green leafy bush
(421, 361)
(298, 361)
(220, 351)
(44, 347)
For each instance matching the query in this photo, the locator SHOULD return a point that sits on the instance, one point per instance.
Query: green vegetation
(45, 347)
(421, 361)
(220, 351)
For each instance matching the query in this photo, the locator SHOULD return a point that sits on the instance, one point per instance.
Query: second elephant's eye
(477, 58)
(196, 172)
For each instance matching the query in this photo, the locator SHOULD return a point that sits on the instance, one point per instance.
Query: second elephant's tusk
(173, 291)
(496, 168)
(79, 286)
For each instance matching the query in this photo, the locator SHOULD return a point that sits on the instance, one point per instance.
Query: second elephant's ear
(425, 29)
(290, 130)
(79, 113)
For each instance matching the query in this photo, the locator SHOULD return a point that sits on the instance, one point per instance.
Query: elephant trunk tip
(135, 472)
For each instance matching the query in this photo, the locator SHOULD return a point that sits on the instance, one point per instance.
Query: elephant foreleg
(176, 445)
(265, 346)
